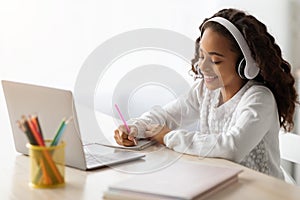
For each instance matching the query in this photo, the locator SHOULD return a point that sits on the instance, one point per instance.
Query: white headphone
(247, 68)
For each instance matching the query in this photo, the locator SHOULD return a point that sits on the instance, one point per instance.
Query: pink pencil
(124, 122)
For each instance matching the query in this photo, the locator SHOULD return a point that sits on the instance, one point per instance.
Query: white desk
(14, 176)
(91, 184)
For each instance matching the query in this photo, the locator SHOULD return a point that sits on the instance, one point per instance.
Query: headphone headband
(251, 70)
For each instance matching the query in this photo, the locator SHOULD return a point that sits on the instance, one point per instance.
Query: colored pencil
(60, 131)
(37, 125)
(25, 129)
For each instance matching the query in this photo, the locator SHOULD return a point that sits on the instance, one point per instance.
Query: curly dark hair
(275, 72)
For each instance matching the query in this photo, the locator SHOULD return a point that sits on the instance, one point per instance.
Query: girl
(245, 94)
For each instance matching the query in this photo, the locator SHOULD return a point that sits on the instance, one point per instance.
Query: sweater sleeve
(180, 112)
(256, 111)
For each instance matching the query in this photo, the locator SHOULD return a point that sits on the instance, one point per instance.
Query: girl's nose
(204, 65)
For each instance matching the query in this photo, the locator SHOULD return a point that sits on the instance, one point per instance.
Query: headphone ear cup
(241, 68)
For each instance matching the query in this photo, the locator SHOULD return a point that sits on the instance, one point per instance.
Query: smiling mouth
(210, 78)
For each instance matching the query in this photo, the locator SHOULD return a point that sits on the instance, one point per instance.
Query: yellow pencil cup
(47, 165)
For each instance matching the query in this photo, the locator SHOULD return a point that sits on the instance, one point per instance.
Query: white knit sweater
(244, 129)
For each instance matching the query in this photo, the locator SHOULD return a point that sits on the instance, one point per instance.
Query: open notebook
(142, 144)
(182, 180)
(108, 128)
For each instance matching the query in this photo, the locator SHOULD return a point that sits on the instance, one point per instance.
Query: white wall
(48, 41)
(53, 38)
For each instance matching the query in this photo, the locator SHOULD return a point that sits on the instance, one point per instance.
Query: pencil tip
(69, 119)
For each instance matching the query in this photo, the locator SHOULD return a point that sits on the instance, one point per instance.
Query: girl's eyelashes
(202, 57)
(216, 62)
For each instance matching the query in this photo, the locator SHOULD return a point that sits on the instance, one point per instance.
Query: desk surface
(91, 184)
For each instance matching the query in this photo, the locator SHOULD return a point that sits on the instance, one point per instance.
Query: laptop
(51, 105)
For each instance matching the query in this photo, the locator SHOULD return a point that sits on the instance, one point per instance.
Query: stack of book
(181, 180)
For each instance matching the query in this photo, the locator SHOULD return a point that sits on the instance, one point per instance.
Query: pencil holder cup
(47, 165)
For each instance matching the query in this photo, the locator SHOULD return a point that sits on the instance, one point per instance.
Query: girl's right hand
(124, 138)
